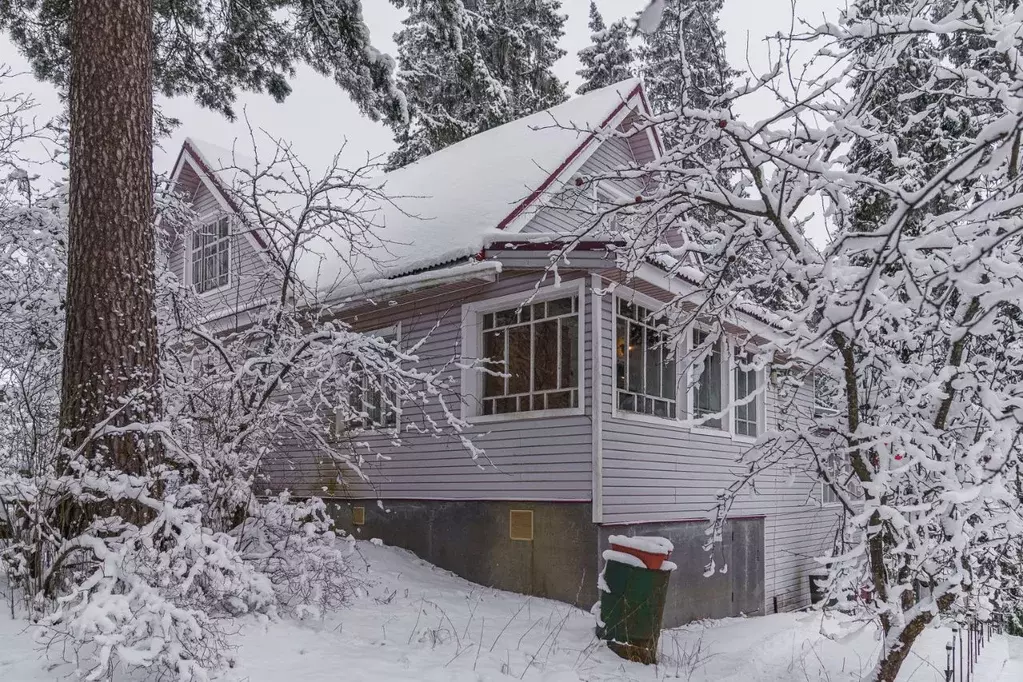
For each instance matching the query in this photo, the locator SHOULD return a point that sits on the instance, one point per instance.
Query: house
(583, 440)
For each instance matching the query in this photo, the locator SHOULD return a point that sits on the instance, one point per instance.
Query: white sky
(318, 116)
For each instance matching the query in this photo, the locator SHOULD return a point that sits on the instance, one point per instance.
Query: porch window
(645, 363)
(707, 387)
(537, 347)
(372, 398)
(747, 415)
(211, 256)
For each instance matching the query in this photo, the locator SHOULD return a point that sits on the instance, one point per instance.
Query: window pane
(545, 355)
(621, 343)
(562, 306)
(504, 405)
(653, 363)
(569, 352)
(636, 354)
(559, 400)
(668, 378)
(626, 401)
(493, 349)
(506, 317)
(707, 393)
(518, 359)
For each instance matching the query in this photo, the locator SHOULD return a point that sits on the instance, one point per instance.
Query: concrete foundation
(473, 539)
(691, 596)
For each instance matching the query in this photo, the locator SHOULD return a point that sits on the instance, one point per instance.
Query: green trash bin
(632, 610)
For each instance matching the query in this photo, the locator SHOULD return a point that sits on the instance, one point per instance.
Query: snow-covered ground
(417, 622)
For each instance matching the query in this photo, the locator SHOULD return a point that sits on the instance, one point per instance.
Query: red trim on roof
(571, 157)
(197, 157)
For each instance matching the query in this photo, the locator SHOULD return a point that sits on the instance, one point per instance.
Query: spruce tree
(501, 70)
(683, 61)
(609, 58)
(211, 49)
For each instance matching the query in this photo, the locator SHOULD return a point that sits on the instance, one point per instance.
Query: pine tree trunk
(111, 352)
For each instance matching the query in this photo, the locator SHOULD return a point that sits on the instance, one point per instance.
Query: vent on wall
(520, 524)
(358, 516)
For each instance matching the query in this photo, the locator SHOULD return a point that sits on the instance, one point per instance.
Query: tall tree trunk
(110, 353)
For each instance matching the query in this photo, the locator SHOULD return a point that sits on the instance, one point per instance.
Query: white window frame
(728, 390)
(472, 344)
(206, 221)
(341, 425)
(622, 293)
(761, 391)
(726, 385)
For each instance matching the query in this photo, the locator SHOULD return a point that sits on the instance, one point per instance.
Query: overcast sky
(318, 116)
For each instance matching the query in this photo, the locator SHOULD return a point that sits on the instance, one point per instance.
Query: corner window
(211, 256)
(747, 414)
(372, 399)
(533, 351)
(645, 363)
(707, 386)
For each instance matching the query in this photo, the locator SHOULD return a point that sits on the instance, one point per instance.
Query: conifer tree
(683, 61)
(499, 70)
(608, 59)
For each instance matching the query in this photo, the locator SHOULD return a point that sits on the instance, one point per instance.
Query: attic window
(211, 256)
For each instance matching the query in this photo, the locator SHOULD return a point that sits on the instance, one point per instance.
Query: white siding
(252, 279)
(526, 459)
(653, 472)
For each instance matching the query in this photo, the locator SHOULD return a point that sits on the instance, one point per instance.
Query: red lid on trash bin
(652, 551)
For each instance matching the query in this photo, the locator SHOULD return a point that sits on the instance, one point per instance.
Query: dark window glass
(645, 363)
(541, 345)
(707, 389)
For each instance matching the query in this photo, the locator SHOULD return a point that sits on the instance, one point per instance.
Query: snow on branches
(153, 561)
(901, 138)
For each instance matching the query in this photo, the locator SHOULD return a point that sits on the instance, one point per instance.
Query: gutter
(486, 271)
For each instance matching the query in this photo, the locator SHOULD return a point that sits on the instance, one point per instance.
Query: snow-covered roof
(454, 203)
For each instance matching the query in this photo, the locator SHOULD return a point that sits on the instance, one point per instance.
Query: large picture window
(534, 351)
(211, 255)
(707, 386)
(747, 414)
(645, 363)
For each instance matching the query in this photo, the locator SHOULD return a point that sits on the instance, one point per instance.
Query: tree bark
(111, 357)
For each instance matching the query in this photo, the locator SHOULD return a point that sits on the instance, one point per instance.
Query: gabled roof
(454, 203)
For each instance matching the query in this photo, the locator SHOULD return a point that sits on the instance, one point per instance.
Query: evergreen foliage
(609, 59)
(497, 70)
(683, 60)
(211, 49)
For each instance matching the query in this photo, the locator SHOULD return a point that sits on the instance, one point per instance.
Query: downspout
(597, 400)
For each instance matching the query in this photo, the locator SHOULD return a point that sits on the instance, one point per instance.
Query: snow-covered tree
(211, 50)
(909, 313)
(683, 60)
(499, 69)
(609, 58)
(153, 589)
